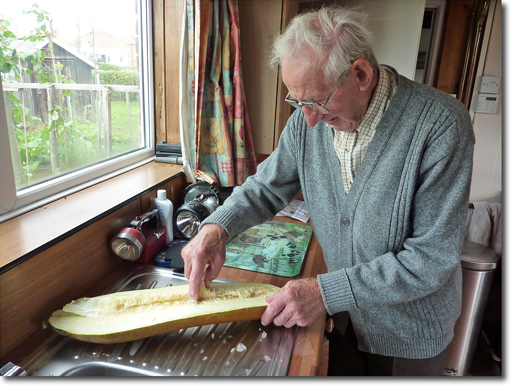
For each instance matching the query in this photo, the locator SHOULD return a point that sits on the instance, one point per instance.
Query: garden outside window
(76, 96)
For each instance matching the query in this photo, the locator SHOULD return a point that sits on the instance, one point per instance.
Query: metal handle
(12, 370)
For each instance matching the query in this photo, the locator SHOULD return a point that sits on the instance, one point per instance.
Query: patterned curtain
(219, 134)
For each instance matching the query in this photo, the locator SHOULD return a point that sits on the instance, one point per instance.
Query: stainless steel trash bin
(478, 263)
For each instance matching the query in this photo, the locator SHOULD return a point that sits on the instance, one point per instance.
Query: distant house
(108, 48)
(75, 68)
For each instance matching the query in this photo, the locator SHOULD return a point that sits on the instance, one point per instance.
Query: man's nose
(312, 118)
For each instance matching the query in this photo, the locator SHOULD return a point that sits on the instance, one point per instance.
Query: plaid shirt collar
(385, 90)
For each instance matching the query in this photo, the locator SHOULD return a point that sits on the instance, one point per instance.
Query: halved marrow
(132, 315)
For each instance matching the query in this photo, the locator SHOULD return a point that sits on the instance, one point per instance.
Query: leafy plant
(40, 142)
(119, 77)
(59, 141)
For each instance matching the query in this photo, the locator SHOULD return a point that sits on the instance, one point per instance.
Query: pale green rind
(121, 324)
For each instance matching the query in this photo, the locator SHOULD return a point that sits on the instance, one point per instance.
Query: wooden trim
(474, 44)
(31, 291)
(34, 340)
(67, 270)
(28, 234)
(260, 22)
(261, 157)
(283, 109)
(452, 55)
(173, 25)
(167, 31)
(159, 69)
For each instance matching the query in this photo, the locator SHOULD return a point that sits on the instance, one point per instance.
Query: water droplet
(135, 346)
(241, 347)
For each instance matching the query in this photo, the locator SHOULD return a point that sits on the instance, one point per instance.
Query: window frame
(13, 203)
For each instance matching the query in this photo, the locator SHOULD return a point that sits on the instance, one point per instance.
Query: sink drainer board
(229, 349)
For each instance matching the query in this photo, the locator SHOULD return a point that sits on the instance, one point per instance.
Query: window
(67, 117)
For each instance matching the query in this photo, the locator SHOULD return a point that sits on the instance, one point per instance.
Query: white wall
(397, 25)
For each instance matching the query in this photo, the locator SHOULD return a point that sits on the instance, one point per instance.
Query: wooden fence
(103, 99)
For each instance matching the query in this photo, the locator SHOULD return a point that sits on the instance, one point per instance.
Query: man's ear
(364, 73)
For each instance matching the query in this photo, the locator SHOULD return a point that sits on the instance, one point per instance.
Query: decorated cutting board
(273, 247)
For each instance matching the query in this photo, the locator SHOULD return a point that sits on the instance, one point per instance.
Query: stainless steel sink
(105, 369)
(228, 349)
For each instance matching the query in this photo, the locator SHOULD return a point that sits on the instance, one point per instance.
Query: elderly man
(384, 165)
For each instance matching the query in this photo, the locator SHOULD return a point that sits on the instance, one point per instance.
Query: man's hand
(206, 249)
(299, 302)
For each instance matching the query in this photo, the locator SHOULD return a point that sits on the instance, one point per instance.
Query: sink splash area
(229, 349)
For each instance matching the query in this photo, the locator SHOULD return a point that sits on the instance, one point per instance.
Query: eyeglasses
(314, 106)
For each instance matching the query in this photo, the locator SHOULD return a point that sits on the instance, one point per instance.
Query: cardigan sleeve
(264, 194)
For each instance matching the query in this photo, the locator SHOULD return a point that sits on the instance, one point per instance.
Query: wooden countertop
(308, 347)
(307, 351)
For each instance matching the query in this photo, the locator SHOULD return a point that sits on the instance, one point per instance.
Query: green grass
(121, 135)
(125, 136)
(82, 141)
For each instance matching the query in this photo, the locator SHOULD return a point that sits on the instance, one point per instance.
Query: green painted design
(273, 247)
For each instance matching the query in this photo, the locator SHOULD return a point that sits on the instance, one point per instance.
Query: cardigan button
(346, 221)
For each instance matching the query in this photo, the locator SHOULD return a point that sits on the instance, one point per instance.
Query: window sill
(30, 233)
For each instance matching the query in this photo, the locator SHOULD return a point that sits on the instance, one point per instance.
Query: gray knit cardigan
(391, 245)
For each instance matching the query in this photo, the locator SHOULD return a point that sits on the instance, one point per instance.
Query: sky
(74, 17)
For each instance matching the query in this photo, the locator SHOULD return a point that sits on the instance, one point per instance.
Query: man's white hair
(337, 36)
